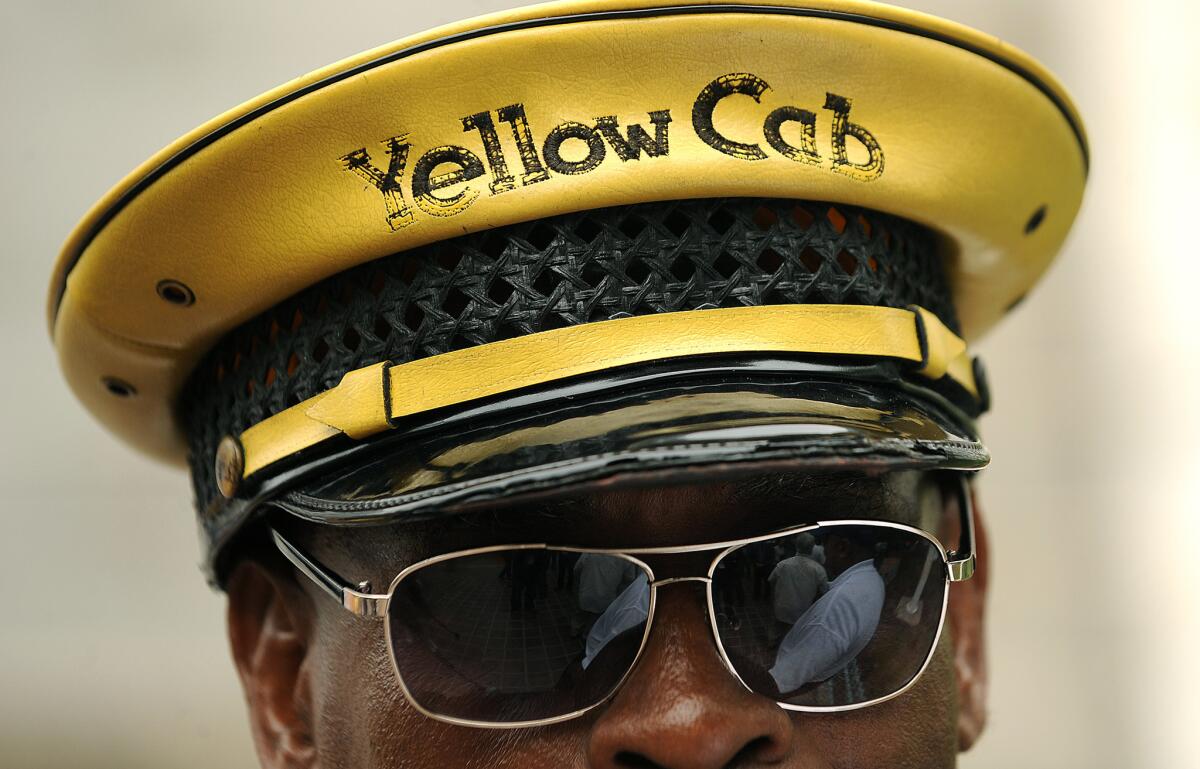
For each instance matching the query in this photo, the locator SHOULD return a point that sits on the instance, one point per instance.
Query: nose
(681, 708)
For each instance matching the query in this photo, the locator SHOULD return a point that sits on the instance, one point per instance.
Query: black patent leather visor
(655, 431)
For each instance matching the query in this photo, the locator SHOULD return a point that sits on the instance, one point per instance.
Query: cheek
(361, 719)
(916, 730)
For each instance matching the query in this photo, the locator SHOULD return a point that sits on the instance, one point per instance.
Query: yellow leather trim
(943, 347)
(285, 433)
(969, 146)
(357, 405)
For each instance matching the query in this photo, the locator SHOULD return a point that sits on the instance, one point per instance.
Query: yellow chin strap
(368, 399)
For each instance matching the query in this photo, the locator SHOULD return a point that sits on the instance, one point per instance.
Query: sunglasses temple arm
(353, 600)
(961, 562)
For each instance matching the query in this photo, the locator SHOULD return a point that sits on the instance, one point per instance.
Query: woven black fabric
(549, 273)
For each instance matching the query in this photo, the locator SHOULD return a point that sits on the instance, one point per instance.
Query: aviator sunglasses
(825, 617)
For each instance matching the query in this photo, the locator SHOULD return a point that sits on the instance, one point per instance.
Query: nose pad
(681, 707)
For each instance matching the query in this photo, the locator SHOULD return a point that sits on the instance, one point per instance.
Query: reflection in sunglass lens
(517, 635)
(831, 617)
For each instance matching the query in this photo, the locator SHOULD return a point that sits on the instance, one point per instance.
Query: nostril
(754, 750)
(629, 760)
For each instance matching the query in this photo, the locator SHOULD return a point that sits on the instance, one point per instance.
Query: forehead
(634, 517)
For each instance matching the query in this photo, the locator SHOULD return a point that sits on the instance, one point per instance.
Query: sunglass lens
(517, 635)
(833, 617)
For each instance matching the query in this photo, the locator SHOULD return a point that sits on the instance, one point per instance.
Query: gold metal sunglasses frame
(959, 567)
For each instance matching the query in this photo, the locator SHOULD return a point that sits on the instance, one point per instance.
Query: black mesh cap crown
(563, 271)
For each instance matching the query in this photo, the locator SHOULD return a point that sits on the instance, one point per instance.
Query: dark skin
(322, 693)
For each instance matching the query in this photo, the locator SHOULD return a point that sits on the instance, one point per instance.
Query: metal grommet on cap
(1035, 220)
(118, 387)
(229, 464)
(176, 293)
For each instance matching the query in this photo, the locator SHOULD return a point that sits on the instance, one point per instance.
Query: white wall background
(112, 651)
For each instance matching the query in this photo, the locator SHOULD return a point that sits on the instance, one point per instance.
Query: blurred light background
(112, 649)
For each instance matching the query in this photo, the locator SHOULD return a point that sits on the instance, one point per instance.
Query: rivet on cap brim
(229, 464)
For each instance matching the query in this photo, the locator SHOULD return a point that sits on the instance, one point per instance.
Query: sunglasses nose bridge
(673, 580)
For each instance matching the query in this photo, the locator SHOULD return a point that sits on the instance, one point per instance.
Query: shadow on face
(322, 690)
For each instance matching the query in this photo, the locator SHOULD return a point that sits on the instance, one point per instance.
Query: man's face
(322, 691)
